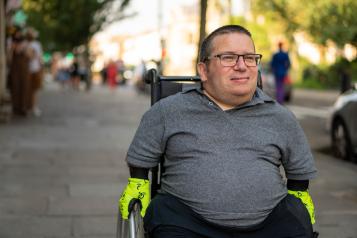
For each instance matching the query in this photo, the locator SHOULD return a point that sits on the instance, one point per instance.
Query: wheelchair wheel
(133, 227)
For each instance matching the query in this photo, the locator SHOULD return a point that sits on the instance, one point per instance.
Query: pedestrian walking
(19, 74)
(35, 68)
(112, 72)
(139, 76)
(62, 74)
(75, 76)
(223, 145)
(280, 65)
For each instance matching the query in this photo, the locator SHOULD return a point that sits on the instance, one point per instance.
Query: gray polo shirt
(223, 164)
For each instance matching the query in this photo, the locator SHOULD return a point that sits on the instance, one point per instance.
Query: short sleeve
(147, 146)
(297, 160)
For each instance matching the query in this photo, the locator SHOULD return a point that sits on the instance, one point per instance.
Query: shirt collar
(259, 97)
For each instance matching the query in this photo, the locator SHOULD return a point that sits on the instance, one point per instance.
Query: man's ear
(202, 71)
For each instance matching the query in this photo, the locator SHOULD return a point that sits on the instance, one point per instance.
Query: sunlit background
(319, 35)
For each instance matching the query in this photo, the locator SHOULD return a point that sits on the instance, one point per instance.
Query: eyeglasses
(230, 60)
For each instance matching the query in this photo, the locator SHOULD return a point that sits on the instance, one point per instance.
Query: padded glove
(305, 198)
(137, 189)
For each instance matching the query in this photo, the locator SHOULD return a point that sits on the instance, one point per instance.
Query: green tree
(283, 16)
(64, 25)
(282, 19)
(335, 21)
(323, 20)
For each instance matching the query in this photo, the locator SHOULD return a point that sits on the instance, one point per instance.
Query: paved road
(61, 174)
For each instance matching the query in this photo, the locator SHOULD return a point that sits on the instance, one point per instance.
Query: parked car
(342, 124)
(269, 85)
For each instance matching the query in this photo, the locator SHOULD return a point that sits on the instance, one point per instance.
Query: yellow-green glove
(137, 189)
(305, 197)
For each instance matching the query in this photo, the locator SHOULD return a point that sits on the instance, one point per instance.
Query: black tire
(341, 143)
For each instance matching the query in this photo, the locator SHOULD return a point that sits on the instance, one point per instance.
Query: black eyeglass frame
(258, 58)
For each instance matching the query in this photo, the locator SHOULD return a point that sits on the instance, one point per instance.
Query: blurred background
(63, 141)
(320, 36)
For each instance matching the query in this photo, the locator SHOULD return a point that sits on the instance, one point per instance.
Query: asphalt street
(62, 173)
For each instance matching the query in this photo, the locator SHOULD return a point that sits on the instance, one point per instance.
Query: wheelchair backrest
(163, 86)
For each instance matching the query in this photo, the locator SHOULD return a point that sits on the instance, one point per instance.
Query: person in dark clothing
(280, 65)
(75, 76)
(19, 75)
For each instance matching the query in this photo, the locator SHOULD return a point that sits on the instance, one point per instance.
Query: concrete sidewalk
(61, 174)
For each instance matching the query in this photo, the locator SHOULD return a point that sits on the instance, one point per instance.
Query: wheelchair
(161, 87)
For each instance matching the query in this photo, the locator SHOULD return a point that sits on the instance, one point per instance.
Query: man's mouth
(240, 78)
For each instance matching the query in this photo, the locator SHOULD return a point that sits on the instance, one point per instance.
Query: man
(280, 65)
(223, 145)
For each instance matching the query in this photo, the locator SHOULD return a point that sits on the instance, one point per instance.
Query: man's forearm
(299, 189)
(141, 173)
(297, 185)
(138, 188)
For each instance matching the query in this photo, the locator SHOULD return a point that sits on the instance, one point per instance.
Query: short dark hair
(206, 45)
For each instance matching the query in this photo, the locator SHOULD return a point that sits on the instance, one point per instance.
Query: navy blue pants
(280, 91)
(167, 217)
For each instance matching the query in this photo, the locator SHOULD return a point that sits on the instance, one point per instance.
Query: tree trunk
(203, 13)
(2, 50)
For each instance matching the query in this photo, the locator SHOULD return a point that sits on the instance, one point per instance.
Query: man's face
(230, 86)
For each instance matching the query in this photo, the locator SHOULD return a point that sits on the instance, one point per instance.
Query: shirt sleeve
(147, 146)
(297, 160)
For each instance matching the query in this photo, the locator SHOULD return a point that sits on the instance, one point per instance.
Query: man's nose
(240, 64)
